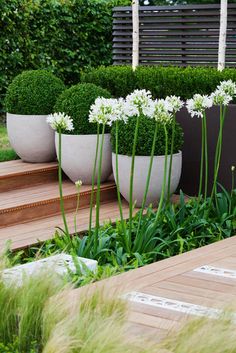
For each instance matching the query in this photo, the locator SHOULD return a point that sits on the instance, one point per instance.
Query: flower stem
(148, 177)
(164, 177)
(117, 181)
(218, 150)
(93, 179)
(132, 179)
(202, 162)
(77, 209)
(232, 189)
(98, 190)
(206, 155)
(60, 185)
(171, 158)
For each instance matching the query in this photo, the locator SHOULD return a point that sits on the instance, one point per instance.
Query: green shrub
(14, 347)
(33, 92)
(119, 80)
(64, 36)
(76, 102)
(161, 81)
(145, 137)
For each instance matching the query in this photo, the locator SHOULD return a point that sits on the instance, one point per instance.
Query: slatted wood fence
(174, 35)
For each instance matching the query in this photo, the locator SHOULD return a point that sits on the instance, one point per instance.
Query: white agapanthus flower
(174, 104)
(103, 111)
(229, 87)
(139, 103)
(198, 104)
(60, 121)
(161, 112)
(118, 111)
(220, 97)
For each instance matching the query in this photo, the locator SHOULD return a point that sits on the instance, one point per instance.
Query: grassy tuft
(204, 336)
(90, 323)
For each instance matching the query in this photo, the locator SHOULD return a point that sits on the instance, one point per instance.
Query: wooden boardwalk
(161, 296)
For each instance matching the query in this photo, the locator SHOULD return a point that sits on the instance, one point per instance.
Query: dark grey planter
(192, 148)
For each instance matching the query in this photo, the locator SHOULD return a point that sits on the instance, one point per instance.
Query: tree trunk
(222, 35)
(135, 46)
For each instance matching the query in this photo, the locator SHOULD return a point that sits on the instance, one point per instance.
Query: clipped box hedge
(161, 81)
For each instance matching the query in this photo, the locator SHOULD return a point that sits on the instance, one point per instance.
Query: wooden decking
(30, 203)
(164, 291)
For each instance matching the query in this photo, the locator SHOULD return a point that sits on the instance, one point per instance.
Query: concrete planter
(140, 176)
(78, 155)
(31, 137)
(192, 148)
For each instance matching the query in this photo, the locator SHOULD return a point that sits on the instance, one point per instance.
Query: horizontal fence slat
(146, 21)
(173, 8)
(170, 45)
(154, 27)
(202, 52)
(174, 58)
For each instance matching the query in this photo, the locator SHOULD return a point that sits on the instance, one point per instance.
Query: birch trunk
(222, 35)
(135, 46)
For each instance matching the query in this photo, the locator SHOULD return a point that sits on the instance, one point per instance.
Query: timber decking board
(18, 174)
(18, 167)
(174, 279)
(44, 192)
(30, 233)
(39, 201)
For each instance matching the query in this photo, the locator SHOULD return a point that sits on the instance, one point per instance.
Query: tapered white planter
(78, 156)
(140, 176)
(31, 137)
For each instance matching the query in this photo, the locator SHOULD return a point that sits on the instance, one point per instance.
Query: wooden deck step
(42, 200)
(30, 233)
(18, 174)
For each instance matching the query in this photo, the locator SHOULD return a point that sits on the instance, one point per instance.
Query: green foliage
(6, 152)
(76, 102)
(161, 81)
(145, 137)
(14, 347)
(63, 36)
(119, 80)
(33, 92)
(181, 227)
(8, 155)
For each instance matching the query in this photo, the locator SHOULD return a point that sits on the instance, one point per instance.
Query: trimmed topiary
(145, 137)
(76, 102)
(33, 92)
(161, 81)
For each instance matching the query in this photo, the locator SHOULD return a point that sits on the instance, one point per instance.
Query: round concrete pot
(78, 156)
(31, 137)
(141, 167)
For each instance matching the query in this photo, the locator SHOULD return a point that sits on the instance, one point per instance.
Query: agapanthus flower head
(174, 103)
(78, 183)
(229, 87)
(161, 112)
(139, 103)
(198, 104)
(103, 111)
(60, 121)
(220, 97)
(118, 112)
